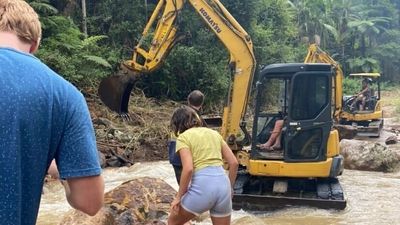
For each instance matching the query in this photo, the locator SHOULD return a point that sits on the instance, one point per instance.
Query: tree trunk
(363, 45)
(84, 18)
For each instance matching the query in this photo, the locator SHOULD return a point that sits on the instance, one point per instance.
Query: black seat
(264, 135)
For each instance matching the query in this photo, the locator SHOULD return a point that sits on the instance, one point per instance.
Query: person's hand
(175, 205)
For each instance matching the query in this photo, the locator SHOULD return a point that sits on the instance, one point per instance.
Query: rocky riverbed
(139, 193)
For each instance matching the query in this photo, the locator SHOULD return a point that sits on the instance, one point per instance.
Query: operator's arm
(366, 89)
(230, 158)
(362, 92)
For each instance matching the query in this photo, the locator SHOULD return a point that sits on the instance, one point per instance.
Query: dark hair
(367, 80)
(195, 98)
(183, 119)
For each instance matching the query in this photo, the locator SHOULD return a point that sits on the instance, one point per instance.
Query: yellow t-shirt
(205, 145)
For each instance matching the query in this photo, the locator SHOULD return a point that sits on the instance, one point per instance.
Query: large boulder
(141, 201)
(371, 156)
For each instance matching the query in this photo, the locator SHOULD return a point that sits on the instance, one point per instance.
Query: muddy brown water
(372, 198)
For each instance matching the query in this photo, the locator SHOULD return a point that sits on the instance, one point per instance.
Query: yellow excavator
(369, 120)
(305, 170)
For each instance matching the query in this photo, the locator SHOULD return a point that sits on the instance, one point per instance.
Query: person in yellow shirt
(204, 185)
(195, 101)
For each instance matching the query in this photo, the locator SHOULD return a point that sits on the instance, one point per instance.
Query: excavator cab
(304, 170)
(303, 103)
(365, 114)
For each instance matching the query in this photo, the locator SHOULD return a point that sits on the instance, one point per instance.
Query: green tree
(65, 50)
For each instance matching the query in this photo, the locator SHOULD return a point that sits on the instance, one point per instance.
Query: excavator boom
(316, 55)
(115, 90)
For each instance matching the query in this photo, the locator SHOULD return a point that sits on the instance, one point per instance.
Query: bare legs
(180, 217)
(360, 100)
(274, 141)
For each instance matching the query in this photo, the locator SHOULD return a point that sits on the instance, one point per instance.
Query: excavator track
(369, 128)
(257, 193)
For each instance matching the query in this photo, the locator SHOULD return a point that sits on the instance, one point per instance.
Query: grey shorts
(210, 189)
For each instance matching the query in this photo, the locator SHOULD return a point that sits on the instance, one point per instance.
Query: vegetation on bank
(362, 35)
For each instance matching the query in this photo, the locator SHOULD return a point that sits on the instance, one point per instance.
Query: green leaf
(332, 31)
(97, 60)
(44, 8)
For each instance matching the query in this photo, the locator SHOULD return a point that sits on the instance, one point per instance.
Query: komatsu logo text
(213, 24)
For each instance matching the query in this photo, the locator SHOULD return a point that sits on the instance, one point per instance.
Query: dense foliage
(362, 35)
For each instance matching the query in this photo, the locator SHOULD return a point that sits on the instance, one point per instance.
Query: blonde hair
(18, 17)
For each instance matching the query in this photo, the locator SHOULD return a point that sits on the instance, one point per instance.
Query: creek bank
(138, 136)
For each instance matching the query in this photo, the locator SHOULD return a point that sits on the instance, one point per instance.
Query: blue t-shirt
(42, 116)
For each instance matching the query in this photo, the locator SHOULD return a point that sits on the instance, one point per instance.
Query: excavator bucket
(114, 92)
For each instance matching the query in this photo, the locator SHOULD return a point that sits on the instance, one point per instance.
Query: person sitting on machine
(274, 141)
(362, 96)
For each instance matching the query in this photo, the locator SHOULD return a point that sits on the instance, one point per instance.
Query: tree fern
(97, 60)
(43, 7)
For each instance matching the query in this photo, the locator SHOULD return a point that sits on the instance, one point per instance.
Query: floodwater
(372, 198)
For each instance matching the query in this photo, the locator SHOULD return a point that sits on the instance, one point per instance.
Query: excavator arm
(316, 55)
(115, 90)
(164, 38)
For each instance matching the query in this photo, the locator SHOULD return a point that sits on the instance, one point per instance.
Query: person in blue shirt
(42, 117)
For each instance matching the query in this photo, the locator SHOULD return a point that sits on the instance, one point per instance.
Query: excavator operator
(362, 96)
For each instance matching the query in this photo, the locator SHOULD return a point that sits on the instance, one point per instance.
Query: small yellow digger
(368, 117)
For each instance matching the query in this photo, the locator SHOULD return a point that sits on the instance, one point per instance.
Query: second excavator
(367, 120)
(305, 170)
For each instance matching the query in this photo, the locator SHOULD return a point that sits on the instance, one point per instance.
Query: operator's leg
(356, 102)
(362, 105)
(277, 143)
(221, 220)
(274, 135)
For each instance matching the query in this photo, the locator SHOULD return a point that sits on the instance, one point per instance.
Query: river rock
(114, 161)
(391, 140)
(142, 201)
(371, 156)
